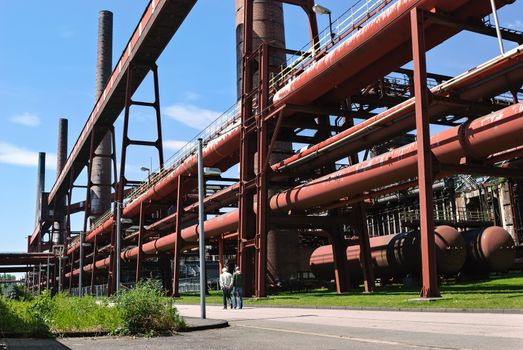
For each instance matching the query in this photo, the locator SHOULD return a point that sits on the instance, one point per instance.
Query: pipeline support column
(424, 155)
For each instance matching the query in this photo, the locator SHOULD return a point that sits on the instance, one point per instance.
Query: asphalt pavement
(292, 328)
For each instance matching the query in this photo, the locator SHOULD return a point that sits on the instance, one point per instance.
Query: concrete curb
(367, 308)
(198, 324)
(192, 324)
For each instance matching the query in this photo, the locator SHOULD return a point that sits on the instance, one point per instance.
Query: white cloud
(174, 145)
(14, 155)
(190, 115)
(26, 119)
(517, 24)
(191, 96)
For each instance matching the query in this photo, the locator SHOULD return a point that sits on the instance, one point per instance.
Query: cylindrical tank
(489, 249)
(396, 255)
(101, 168)
(451, 252)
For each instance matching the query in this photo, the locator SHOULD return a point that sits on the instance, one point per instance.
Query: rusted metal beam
(141, 231)
(341, 268)
(424, 157)
(178, 244)
(364, 242)
(24, 258)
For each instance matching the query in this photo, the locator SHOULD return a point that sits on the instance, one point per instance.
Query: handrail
(348, 23)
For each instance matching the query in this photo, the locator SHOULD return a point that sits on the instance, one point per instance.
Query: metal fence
(100, 290)
(460, 215)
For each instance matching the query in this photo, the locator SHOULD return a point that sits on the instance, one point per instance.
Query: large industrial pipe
(480, 251)
(375, 50)
(396, 255)
(484, 136)
(502, 72)
(213, 227)
(101, 167)
(218, 153)
(499, 72)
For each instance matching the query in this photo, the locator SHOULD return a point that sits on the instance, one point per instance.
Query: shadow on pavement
(30, 343)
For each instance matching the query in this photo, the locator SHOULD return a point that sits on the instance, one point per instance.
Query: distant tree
(7, 277)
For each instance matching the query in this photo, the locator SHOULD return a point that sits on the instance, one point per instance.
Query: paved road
(282, 328)
(336, 329)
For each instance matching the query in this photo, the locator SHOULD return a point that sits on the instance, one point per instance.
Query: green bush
(142, 310)
(145, 310)
(41, 309)
(27, 318)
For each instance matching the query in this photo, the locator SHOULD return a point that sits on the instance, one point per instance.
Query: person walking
(237, 288)
(226, 285)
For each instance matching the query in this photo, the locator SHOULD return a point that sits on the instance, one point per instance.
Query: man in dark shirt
(237, 288)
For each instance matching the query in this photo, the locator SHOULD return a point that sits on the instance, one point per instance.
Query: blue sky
(47, 71)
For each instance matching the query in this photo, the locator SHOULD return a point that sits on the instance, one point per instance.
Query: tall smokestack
(40, 185)
(61, 154)
(61, 158)
(101, 169)
(268, 27)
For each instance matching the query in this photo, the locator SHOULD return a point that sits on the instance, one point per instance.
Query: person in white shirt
(226, 285)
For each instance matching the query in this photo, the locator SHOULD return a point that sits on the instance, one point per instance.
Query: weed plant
(144, 310)
(139, 311)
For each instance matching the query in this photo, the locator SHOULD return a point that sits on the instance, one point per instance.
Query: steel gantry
(342, 76)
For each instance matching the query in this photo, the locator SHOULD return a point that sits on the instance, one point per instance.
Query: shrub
(41, 311)
(24, 317)
(145, 310)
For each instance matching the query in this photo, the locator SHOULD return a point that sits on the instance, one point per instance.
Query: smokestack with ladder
(268, 27)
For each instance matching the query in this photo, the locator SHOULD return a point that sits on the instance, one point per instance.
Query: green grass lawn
(498, 293)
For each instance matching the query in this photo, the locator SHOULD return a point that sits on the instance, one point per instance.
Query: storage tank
(490, 249)
(396, 255)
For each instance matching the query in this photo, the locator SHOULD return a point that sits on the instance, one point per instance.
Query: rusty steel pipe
(215, 154)
(484, 136)
(213, 227)
(374, 51)
(470, 85)
(500, 72)
(510, 65)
